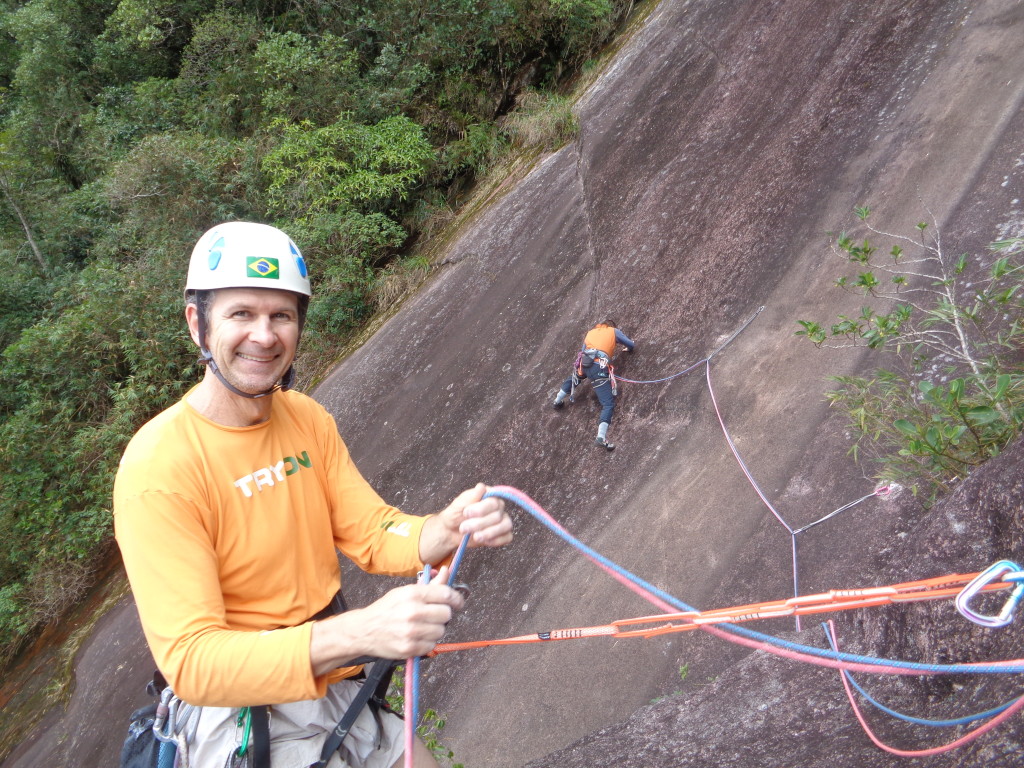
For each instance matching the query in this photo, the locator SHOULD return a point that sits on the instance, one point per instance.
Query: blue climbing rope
(527, 504)
(909, 718)
(883, 665)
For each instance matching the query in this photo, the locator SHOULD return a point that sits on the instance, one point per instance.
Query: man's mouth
(256, 359)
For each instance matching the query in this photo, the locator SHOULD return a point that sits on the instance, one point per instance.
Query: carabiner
(993, 573)
(245, 722)
(166, 714)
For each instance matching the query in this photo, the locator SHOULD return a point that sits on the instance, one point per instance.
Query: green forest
(129, 128)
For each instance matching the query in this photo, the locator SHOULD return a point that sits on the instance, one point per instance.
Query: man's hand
(485, 520)
(407, 621)
(410, 620)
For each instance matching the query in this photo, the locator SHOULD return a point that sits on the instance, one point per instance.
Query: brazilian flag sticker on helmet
(262, 266)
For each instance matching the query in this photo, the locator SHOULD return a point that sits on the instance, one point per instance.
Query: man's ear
(192, 318)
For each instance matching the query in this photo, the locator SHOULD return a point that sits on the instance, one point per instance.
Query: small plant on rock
(952, 393)
(431, 722)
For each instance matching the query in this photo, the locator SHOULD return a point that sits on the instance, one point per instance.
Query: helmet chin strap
(206, 358)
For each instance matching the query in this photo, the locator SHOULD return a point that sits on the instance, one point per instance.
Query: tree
(10, 190)
(952, 325)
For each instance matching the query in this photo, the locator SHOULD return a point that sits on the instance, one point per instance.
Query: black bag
(141, 748)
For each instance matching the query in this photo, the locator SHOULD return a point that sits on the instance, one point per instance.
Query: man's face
(252, 334)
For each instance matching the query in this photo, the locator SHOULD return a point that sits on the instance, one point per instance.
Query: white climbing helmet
(242, 254)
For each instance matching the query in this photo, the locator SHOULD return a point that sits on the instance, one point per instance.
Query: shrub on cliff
(953, 395)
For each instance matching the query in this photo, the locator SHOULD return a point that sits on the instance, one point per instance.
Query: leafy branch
(953, 324)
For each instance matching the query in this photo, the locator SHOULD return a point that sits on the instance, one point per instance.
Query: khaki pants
(298, 731)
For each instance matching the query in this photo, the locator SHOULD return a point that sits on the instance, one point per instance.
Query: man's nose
(262, 332)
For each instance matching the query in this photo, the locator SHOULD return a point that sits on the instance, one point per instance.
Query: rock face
(717, 147)
(716, 150)
(765, 712)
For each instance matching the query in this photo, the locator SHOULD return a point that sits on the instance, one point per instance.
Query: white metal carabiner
(993, 573)
(166, 712)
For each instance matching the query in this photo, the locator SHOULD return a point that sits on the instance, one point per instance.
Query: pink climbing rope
(966, 738)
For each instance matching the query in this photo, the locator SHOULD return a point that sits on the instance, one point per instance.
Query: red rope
(966, 738)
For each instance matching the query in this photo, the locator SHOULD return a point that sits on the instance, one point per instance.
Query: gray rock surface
(716, 150)
(766, 712)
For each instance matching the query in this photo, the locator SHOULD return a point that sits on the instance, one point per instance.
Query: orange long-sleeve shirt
(601, 337)
(228, 536)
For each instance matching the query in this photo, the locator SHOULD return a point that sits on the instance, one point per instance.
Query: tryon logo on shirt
(273, 474)
(399, 529)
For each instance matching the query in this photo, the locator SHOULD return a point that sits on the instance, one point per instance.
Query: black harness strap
(333, 608)
(380, 676)
(373, 691)
(260, 736)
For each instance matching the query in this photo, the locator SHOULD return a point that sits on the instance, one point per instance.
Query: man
(594, 362)
(229, 507)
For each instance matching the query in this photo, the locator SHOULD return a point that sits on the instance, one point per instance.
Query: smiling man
(254, 334)
(229, 509)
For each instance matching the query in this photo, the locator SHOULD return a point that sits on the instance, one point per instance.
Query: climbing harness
(371, 693)
(159, 735)
(585, 359)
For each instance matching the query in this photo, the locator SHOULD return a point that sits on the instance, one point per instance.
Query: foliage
(66, 424)
(475, 151)
(178, 182)
(339, 187)
(431, 722)
(543, 122)
(344, 166)
(397, 280)
(153, 24)
(128, 127)
(684, 672)
(22, 294)
(297, 73)
(215, 89)
(583, 22)
(952, 328)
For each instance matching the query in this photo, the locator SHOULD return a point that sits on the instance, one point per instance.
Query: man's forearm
(437, 541)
